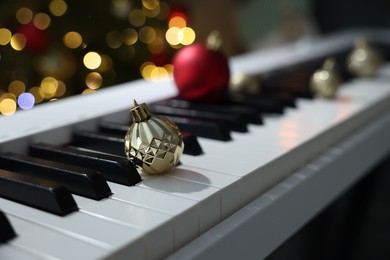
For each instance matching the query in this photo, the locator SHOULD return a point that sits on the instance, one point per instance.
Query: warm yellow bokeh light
(49, 87)
(151, 12)
(164, 11)
(114, 39)
(177, 21)
(137, 17)
(106, 63)
(5, 36)
(61, 89)
(37, 93)
(159, 74)
(130, 36)
(24, 15)
(92, 60)
(94, 80)
(16, 87)
(186, 36)
(18, 41)
(147, 34)
(7, 106)
(41, 21)
(73, 40)
(88, 91)
(58, 7)
(172, 35)
(150, 4)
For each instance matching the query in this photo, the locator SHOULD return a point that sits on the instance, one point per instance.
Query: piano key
(157, 225)
(213, 130)
(113, 168)
(208, 197)
(7, 231)
(99, 232)
(183, 211)
(262, 105)
(191, 145)
(37, 193)
(55, 245)
(78, 180)
(248, 114)
(233, 122)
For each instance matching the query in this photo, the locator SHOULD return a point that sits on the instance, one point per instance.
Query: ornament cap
(140, 112)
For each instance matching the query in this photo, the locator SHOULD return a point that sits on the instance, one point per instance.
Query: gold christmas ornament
(364, 60)
(326, 81)
(244, 83)
(153, 142)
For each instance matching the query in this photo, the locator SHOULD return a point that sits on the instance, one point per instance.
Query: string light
(92, 60)
(58, 7)
(5, 36)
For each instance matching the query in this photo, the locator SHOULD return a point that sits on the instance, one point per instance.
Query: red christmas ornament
(37, 40)
(201, 72)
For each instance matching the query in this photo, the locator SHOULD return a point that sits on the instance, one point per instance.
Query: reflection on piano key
(37, 193)
(78, 180)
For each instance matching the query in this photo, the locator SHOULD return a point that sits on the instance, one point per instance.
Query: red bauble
(37, 40)
(201, 73)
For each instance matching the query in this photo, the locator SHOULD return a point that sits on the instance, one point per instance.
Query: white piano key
(9, 251)
(230, 186)
(99, 232)
(184, 211)
(157, 227)
(208, 197)
(55, 243)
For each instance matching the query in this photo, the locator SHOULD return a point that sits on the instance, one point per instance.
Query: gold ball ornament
(244, 83)
(364, 60)
(153, 142)
(326, 81)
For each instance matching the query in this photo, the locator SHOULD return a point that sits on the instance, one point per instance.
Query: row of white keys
(144, 220)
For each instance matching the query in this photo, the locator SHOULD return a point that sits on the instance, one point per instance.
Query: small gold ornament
(326, 81)
(364, 60)
(244, 83)
(153, 142)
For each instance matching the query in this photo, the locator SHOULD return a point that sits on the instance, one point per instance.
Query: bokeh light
(137, 18)
(72, 40)
(130, 36)
(49, 87)
(24, 15)
(5, 36)
(18, 41)
(94, 80)
(172, 35)
(186, 36)
(58, 7)
(16, 87)
(7, 106)
(114, 39)
(37, 93)
(150, 4)
(26, 101)
(177, 21)
(42, 21)
(92, 60)
(147, 34)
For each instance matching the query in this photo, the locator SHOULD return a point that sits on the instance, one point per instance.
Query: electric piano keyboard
(241, 197)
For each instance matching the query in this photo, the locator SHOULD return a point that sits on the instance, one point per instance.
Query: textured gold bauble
(153, 142)
(244, 83)
(326, 81)
(364, 60)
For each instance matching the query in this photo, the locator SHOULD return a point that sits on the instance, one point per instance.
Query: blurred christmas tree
(54, 49)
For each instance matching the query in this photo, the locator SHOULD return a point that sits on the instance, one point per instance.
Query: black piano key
(216, 130)
(6, 230)
(191, 144)
(261, 104)
(81, 181)
(113, 168)
(102, 142)
(35, 192)
(249, 115)
(233, 122)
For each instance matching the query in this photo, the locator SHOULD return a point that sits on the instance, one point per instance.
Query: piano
(239, 198)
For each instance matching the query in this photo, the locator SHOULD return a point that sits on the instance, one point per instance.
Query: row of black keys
(46, 177)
